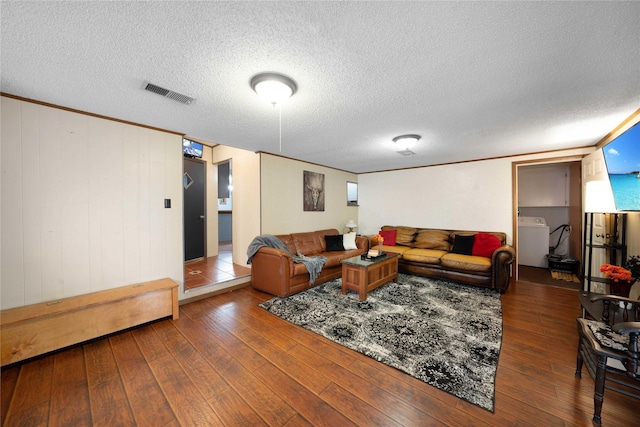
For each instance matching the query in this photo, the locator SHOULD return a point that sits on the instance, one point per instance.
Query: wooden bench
(40, 328)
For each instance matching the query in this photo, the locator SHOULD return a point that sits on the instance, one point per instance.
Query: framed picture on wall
(313, 191)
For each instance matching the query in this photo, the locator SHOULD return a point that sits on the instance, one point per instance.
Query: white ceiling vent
(169, 93)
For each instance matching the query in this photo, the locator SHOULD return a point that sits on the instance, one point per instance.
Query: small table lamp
(351, 224)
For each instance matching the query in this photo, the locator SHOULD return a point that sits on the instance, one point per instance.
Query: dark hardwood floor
(227, 362)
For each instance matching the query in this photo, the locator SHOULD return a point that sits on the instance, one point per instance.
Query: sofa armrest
(362, 242)
(501, 261)
(274, 252)
(271, 271)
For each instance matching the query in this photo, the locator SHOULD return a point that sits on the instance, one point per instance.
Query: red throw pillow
(484, 244)
(389, 237)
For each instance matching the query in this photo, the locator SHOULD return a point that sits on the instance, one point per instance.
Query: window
(352, 193)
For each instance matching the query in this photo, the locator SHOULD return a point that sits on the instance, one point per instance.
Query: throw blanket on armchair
(314, 264)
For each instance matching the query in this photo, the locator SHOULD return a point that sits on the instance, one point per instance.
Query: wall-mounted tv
(622, 156)
(191, 148)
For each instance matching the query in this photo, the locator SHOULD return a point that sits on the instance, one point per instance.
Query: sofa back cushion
(287, 239)
(404, 235)
(320, 236)
(307, 243)
(432, 239)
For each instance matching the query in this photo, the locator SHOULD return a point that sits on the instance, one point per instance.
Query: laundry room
(549, 241)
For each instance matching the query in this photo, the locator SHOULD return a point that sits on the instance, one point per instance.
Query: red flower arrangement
(615, 272)
(378, 239)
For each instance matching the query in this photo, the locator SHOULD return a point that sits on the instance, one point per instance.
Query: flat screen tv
(191, 148)
(622, 156)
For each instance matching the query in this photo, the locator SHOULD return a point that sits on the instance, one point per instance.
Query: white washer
(533, 241)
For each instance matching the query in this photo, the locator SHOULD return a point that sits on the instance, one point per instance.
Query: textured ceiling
(475, 79)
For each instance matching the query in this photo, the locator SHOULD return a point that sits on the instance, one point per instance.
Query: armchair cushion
(606, 337)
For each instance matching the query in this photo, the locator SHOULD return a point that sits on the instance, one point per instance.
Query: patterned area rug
(443, 333)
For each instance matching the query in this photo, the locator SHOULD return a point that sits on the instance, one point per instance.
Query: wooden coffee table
(364, 276)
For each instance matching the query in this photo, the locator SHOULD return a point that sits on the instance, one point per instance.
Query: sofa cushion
(287, 239)
(395, 249)
(334, 258)
(463, 244)
(307, 243)
(389, 237)
(432, 239)
(427, 256)
(334, 243)
(404, 235)
(320, 236)
(484, 244)
(466, 262)
(349, 241)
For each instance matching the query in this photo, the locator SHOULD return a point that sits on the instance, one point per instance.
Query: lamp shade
(351, 224)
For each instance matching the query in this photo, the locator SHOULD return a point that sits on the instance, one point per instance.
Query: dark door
(194, 204)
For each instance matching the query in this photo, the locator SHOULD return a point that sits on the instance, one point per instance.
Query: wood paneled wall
(83, 204)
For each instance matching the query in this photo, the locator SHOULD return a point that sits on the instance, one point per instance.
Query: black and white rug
(443, 333)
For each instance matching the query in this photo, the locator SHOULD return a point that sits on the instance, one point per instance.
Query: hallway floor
(543, 277)
(214, 269)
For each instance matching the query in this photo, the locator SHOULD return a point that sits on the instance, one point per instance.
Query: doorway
(548, 221)
(215, 266)
(194, 209)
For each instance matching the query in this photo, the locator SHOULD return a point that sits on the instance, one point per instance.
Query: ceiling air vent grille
(169, 93)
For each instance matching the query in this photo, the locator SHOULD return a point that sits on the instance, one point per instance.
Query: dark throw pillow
(485, 244)
(463, 245)
(334, 243)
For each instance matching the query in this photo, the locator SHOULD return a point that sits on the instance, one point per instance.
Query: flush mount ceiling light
(404, 143)
(273, 87)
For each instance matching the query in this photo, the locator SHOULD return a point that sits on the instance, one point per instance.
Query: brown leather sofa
(273, 270)
(428, 252)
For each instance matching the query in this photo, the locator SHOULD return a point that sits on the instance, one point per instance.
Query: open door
(598, 201)
(194, 209)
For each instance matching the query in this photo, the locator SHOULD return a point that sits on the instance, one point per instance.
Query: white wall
(211, 202)
(83, 204)
(246, 197)
(282, 197)
(473, 195)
